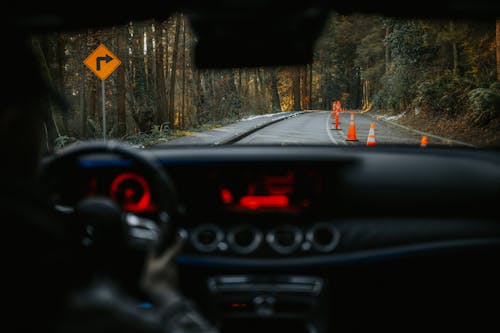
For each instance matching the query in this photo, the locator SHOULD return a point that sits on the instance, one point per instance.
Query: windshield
(373, 81)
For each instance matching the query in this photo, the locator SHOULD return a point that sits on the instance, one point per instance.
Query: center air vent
(206, 237)
(244, 239)
(324, 237)
(285, 239)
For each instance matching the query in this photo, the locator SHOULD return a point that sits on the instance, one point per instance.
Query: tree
(498, 48)
(365, 61)
(303, 88)
(372, 56)
(454, 48)
(50, 124)
(275, 102)
(184, 66)
(83, 72)
(387, 50)
(296, 88)
(173, 70)
(121, 86)
(309, 106)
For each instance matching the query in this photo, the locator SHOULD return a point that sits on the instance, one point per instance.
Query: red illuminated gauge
(131, 192)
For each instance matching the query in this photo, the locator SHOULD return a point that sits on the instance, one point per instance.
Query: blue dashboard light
(146, 305)
(108, 163)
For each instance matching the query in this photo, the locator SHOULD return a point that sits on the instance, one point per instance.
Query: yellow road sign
(102, 62)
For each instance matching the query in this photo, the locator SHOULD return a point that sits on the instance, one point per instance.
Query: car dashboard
(312, 239)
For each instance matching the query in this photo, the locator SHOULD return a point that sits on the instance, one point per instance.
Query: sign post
(103, 99)
(102, 62)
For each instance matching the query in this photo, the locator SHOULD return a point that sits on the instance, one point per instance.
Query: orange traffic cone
(351, 134)
(370, 142)
(424, 141)
(337, 120)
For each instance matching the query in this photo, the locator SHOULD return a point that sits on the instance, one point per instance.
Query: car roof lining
(245, 33)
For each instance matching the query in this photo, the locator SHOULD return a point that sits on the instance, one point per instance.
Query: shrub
(495, 86)
(63, 140)
(158, 133)
(485, 104)
(444, 93)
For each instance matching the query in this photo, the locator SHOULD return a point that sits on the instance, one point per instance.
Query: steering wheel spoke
(138, 232)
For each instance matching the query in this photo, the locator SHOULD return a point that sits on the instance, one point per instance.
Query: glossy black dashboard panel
(301, 237)
(306, 202)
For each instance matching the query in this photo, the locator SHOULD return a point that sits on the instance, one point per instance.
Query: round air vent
(285, 239)
(206, 237)
(244, 239)
(324, 237)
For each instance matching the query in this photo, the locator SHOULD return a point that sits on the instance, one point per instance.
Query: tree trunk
(50, 123)
(262, 80)
(366, 94)
(197, 97)
(91, 101)
(83, 84)
(454, 48)
(83, 114)
(256, 82)
(498, 49)
(231, 92)
(61, 57)
(183, 109)
(387, 51)
(276, 104)
(310, 85)
(296, 88)
(160, 76)
(165, 65)
(171, 108)
(121, 118)
(244, 78)
(262, 99)
(145, 55)
(61, 60)
(142, 109)
(303, 87)
(357, 88)
(152, 89)
(239, 80)
(91, 87)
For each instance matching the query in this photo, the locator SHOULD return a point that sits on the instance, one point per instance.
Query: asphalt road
(316, 127)
(231, 131)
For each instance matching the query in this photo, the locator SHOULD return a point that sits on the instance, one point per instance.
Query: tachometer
(131, 191)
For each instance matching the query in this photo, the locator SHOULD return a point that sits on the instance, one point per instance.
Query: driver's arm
(101, 307)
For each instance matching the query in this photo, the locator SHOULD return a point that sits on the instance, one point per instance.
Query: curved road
(316, 127)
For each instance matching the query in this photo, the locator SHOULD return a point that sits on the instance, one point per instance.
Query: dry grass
(460, 128)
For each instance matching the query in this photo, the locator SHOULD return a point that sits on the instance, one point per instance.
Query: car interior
(294, 238)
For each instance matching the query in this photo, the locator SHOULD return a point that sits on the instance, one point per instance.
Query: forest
(441, 76)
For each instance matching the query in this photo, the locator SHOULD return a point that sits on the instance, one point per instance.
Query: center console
(268, 301)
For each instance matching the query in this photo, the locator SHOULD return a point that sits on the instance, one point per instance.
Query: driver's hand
(160, 280)
(160, 273)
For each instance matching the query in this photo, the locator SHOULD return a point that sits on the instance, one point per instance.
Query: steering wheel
(139, 232)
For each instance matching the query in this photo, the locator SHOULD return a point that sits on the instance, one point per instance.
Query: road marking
(329, 132)
(328, 129)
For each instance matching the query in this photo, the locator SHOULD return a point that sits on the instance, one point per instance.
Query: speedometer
(131, 191)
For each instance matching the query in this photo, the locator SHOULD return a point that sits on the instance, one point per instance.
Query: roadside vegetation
(437, 76)
(441, 77)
